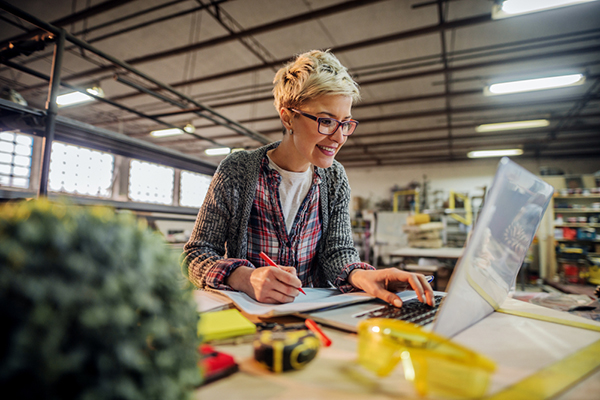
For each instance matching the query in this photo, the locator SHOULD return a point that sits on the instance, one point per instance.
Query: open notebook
(315, 298)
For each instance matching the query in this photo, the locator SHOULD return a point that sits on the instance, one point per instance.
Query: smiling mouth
(328, 149)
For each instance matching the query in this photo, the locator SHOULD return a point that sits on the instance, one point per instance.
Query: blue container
(586, 234)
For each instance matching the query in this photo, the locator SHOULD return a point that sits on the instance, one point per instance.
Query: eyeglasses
(328, 126)
(433, 363)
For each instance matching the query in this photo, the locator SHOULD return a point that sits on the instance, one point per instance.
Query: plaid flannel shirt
(267, 233)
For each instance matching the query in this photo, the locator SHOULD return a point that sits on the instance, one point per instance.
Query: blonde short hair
(311, 75)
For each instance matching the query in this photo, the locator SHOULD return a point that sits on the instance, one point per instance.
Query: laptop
(488, 268)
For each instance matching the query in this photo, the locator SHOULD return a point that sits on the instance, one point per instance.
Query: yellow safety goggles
(433, 363)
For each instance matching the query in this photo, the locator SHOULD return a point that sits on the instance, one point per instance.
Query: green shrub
(92, 307)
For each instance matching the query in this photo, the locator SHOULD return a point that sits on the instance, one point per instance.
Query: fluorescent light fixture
(507, 126)
(189, 128)
(512, 8)
(167, 132)
(494, 153)
(529, 85)
(218, 151)
(71, 98)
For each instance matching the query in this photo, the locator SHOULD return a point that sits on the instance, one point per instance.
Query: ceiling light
(218, 151)
(494, 153)
(189, 128)
(507, 126)
(167, 132)
(528, 85)
(71, 98)
(512, 8)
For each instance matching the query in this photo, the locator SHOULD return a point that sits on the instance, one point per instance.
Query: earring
(291, 132)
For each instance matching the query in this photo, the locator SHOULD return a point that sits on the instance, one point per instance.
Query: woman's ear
(286, 118)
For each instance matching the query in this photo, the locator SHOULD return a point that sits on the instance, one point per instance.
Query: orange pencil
(272, 264)
(312, 325)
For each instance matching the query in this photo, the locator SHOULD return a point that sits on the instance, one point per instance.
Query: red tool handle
(312, 325)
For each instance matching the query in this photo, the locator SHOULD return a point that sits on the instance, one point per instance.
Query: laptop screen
(496, 248)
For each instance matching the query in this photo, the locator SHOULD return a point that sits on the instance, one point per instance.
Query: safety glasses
(328, 126)
(433, 363)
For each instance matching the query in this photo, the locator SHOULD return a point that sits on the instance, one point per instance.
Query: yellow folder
(224, 324)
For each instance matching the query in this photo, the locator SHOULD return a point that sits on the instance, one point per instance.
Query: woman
(290, 199)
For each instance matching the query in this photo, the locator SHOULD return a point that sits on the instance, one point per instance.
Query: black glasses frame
(352, 123)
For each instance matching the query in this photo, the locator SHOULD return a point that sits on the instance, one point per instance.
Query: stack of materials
(422, 232)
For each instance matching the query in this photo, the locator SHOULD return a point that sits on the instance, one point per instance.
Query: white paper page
(209, 301)
(314, 299)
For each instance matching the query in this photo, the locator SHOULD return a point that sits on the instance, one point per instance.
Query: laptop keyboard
(411, 311)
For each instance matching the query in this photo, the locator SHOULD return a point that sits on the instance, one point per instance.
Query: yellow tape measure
(554, 379)
(285, 350)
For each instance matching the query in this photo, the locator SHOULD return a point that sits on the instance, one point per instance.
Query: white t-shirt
(292, 191)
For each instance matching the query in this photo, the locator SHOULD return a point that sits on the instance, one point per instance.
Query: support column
(51, 111)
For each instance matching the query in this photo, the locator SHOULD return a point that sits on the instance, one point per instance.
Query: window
(151, 183)
(193, 188)
(15, 159)
(79, 170)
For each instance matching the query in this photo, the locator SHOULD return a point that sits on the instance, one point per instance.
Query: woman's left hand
(383, 284)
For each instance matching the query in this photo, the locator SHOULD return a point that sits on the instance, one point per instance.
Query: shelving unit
(361, 234)
(576, 234)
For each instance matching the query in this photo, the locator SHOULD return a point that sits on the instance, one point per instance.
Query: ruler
(554, 379)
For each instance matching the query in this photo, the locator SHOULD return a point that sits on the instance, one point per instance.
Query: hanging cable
(190, 58)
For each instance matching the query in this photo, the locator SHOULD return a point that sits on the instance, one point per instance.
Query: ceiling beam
(124, 30)
(553, 54)
(462, 150)
(222, 120)
(442, 111)
(69, 19)
(231, 37)
(512, 136)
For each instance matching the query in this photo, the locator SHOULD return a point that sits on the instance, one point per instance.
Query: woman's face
(306, 145)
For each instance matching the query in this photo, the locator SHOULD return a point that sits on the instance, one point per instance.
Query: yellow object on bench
(223, 325)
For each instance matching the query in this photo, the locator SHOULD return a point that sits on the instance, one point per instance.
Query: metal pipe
(462, 148)
(142, 89)
(50, 28)
(120, 79)
(593, 153)
(107, 101)
(442, 111)
(359, 105)
(352, 46)
(349, 146)
(231, 37)
(442, 128)
(51, 111)
(128, 29)
(69, 19)
(521, 134)
(127, 17)
(395, 147)
(420, 74)
(81, 134)
(320, 13)
(250, 43)
(445, 67)
(13, 23)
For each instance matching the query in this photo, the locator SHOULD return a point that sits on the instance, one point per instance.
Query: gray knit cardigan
(221, 229)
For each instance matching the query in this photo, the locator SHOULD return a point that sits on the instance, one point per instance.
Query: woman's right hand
(266, 284)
